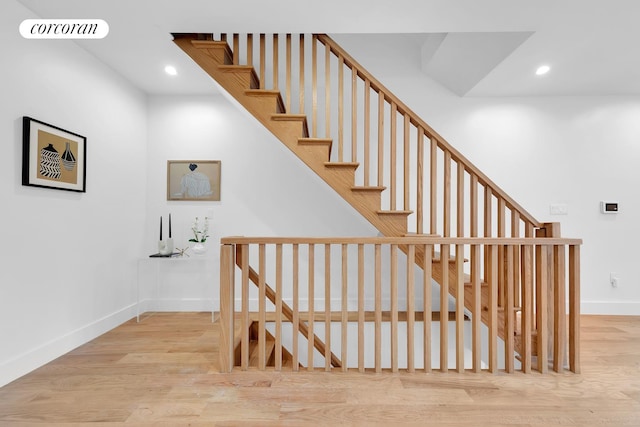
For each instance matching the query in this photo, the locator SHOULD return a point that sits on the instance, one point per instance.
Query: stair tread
(264, 92)
(208, 44)
(371, 189)
(233, 68)
(309, 139)
(341, 164)
(288, 116)
(400, 212)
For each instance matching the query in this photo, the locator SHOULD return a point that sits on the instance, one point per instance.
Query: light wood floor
(163, 372)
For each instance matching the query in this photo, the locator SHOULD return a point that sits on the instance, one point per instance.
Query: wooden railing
(396, 150)
(369, 283)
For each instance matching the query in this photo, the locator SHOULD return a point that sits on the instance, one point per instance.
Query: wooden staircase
(267, 105)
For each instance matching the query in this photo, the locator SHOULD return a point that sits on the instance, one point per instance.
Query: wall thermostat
(609, 207)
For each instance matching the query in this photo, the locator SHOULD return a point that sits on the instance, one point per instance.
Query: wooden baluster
(515, 232)
(276, 62)
(262, 310)
(327, 307)
(541, 306)
(296, 307)
(227, 297)
(460, 200)
(380, 139)
(311, 298)
(444, 309)
(301, 83)
(223, 37)
(278, 349)
(460, 308)
(407, 166)
(378, 308)
(476, 312)
(473, 206)
(411, 262)
(361, 308)
(354, 112)
(527, 307)
(492, 279)
(560, 315)
(367, 131)
(488, 219)
(345, 307)
(250, 50)
(314, 85)
(392, 156)
(244, 347)
(574, 309)
(426, 308)
(501, 256)
(288, 75)
(327, 91)
(446, 203)
(340, 109)
(509, 347)
(433, 192)
(420, 183)
(236, 49)
(394, 308)
(263, 61)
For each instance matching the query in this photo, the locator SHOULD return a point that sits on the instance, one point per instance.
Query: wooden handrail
(408, 240)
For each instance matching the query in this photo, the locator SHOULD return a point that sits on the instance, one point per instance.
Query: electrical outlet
(614, 279)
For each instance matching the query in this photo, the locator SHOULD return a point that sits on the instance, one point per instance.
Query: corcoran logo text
(64, 29)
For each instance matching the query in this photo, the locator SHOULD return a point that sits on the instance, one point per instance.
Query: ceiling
(473, 47)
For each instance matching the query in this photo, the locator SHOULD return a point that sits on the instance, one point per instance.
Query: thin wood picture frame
(193, 180)
(53, 157)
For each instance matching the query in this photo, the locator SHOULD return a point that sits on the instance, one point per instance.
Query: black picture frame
(53, 157)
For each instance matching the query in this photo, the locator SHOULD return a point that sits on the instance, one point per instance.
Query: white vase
(165, 247)
(199, 248)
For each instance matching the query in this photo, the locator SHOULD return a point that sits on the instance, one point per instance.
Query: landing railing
(365, 299)
(396, 150)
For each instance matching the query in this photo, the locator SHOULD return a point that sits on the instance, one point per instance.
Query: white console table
(157, 274)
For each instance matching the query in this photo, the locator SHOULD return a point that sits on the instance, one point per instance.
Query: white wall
(573, 150)
(266, 190)
(67, 260)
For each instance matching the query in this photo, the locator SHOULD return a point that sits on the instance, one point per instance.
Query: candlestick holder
(165, 247)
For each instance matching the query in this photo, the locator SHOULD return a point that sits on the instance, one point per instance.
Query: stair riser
(267, 103)
(220, 55)
(369, 200)
(318, 151)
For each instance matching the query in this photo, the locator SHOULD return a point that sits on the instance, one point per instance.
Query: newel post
(547, 278)
(227, 298)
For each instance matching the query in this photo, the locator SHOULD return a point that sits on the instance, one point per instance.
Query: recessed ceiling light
(171, 70)
(543, 69)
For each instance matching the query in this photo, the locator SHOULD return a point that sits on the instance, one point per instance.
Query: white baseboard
(179, 304)
(28, 361)
(623, 308)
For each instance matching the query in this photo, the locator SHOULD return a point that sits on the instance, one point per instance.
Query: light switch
(558, 209)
